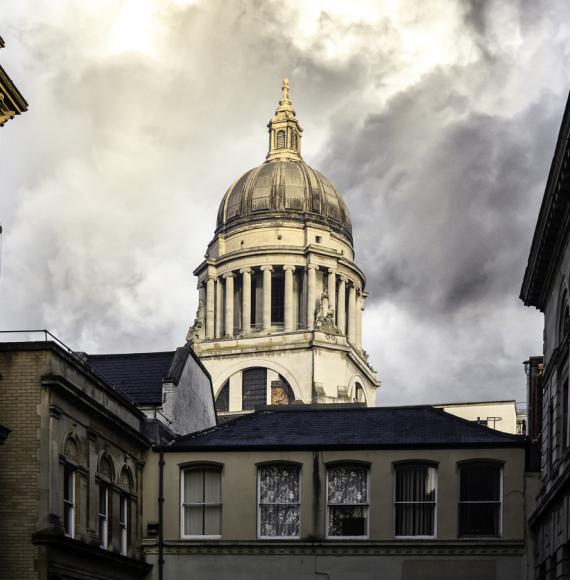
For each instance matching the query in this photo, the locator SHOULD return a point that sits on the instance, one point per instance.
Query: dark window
(103, 516)
(565, 414)
(253, 299)
(550, 442)
(480, 499)
(278, 298)
(415, 500)
(223, 398)
(124, 523)
(280, 139)
(254, 388)
(69, 501)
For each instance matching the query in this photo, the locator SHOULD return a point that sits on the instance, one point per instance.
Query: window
(480, 499)
(278, 298)
(69, 501)
(202, 502)
(347, 501)
(280, 139)
(103, 516)
(124, 524)
(254, 388)
(415, 500)
(223, 398)
(359, 396)
(279, 507)
(565, 414)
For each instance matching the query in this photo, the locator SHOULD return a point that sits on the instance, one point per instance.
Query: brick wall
(20, 394)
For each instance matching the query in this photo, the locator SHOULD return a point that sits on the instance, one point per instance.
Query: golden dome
(284, 187)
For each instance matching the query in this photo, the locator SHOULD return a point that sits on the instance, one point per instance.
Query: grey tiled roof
(298, 427)
(138, 375)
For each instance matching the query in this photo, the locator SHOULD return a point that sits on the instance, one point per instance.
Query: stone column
(359, 309)
(289, 298)
(229, 277)
(331, 288)
(267, 296)
(210, 289)
(352, 313)
(311, 294)
(341, 311)
(246, 300)
(219, 332)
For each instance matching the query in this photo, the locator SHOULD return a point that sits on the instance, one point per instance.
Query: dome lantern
(284, 130)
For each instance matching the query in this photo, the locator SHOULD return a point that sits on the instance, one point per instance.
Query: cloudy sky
(437, 119)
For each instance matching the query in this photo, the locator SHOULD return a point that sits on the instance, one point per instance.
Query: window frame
(124, 513)
(282, 464)
(418, 463)
(69, 516)
(367, 505)
(103, 517)
(483, 462)
(200, 467)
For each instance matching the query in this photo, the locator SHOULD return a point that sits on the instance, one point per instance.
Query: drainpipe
(161, 515)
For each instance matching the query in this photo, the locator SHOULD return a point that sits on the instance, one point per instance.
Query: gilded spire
(284, 129)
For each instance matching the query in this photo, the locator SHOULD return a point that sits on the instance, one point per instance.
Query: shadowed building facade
(280, 295)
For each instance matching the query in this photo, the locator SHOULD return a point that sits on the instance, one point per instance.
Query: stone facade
(545, 286)
(279, 289)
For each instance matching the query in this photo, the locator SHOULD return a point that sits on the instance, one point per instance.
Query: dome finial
(285, 89)
(284, 129)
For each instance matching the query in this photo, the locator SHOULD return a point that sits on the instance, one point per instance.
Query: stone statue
(325, 315)
(197, 331)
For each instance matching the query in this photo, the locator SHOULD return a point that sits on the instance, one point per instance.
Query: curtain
(279, 501)
(202, 502)
(415, 500)
(347, 501)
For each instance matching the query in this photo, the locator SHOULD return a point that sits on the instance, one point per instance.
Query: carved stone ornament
(197, 331)
(324, 318)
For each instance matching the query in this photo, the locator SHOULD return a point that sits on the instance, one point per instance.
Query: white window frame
(103, 517)
(284, 465)
(435, 502)
(184, 504)
(69, 503)
(500, 502)
(367, 505)
(124, 523)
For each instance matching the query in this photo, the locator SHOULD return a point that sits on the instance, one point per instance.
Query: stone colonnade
(346, 300)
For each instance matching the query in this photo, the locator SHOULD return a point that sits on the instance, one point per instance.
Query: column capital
(264, 268)
(331, 270)
(212, 278)
(288, 267)
(245, 271)
(228, 275)
(311, 267)
(343, 279)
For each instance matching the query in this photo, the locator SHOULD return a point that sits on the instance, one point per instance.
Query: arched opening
(281, 140)
(359, 396)
(223, 398)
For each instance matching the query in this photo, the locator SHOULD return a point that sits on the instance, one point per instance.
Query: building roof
(339, 427)
(138, 375)
(552, 226)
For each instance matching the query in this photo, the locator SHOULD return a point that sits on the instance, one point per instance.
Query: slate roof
(299, 427)
(137, 375)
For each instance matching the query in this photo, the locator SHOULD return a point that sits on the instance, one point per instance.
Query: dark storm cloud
(436, 120)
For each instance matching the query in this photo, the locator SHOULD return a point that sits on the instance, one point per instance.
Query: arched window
(347, 501)
(126, 482)
(281, 139)
(480, 498)
(294, 140)
(71, 449)
(106, 472)
(201, 502)
(415, 497)
(223, 398)
(359, 396)
(72, 455)
(278, 513)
